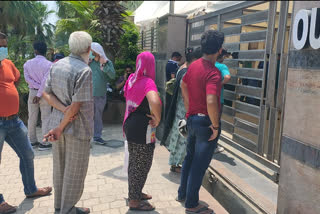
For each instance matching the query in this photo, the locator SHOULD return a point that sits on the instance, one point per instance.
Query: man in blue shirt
(225, 77)
(173, 66)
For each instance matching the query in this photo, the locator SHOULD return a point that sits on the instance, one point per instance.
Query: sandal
(41, 192)
(6, 208)
(176, 169)
(82, 210)
(203, 209)
(143, 206)
(145, 197)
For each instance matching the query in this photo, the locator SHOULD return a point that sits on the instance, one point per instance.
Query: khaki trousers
(70, 166)
(33, 111)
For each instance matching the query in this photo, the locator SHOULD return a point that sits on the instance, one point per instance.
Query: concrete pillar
(171, 37)
(299, 184)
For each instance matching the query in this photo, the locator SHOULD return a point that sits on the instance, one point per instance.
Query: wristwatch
(215, 128)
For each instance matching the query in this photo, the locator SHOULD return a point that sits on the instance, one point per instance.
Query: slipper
(176, 169)
(41, 192)
(200, 210)
(82, 210)
(143, 206)
(146, 197)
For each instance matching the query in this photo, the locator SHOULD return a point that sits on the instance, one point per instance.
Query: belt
(201, 115)
(34, 89)
(10, 117)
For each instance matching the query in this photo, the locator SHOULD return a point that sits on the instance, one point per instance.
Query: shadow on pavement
(26, 205)
(116, 173)
(145, 212)
(172, 176)
(224, 158)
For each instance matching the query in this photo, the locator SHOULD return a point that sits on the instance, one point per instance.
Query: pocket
(203, 133)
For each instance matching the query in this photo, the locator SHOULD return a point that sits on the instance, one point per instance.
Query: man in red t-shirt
(201, 89)
(12, 129)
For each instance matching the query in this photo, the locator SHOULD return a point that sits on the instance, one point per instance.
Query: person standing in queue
(143, 108)
(201, 90)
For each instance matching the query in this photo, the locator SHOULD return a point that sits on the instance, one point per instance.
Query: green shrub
(127, 53)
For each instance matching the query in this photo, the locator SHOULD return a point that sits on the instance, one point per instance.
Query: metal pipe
(171, 7)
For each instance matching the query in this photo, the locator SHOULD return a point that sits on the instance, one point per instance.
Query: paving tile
(106, 187)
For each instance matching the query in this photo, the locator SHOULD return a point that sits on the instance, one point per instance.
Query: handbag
(182, 127)
(170, 86)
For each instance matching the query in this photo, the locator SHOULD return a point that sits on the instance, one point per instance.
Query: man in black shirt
(172, 65)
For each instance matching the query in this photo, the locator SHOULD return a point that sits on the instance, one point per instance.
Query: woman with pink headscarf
(143, 108)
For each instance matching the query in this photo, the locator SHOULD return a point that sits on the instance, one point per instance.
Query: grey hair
(79, 42)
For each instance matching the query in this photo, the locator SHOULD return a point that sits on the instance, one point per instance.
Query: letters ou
(304, 21)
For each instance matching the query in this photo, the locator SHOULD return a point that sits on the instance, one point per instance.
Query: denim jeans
(15, 133)
(1, 199)
(197, 160)
(99, 104)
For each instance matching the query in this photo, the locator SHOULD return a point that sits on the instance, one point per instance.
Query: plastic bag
(152, 134)
(126, 158)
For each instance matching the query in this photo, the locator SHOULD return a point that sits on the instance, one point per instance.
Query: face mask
(91, 55)
(3, 53)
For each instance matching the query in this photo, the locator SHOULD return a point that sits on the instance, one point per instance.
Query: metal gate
(257, 33)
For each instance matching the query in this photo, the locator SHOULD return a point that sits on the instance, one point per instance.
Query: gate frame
(272, 105)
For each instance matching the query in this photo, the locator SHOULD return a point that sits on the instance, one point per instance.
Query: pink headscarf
(140, 82)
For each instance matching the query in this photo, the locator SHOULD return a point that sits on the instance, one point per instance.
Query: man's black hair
(175, 54)
(41, 47)
(3, 36)
(192, 54)
(58, 56)
(197, 53)
(211, 41)
(224, 52)
(129, 66)
(235, 55)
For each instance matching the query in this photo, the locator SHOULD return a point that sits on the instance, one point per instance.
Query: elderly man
(35, 73)
(69, 90)
(12, 129)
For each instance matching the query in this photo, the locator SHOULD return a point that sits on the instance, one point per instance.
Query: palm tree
(75, 15)
(16, 14)
(44, 31)
(131, 5)
(111, 16)
(26, 21)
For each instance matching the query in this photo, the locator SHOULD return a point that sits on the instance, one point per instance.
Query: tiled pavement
(106, 186)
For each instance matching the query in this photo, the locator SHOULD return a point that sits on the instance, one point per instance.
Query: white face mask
(3, 53)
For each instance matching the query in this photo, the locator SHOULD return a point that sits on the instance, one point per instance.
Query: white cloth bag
(126, 158)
